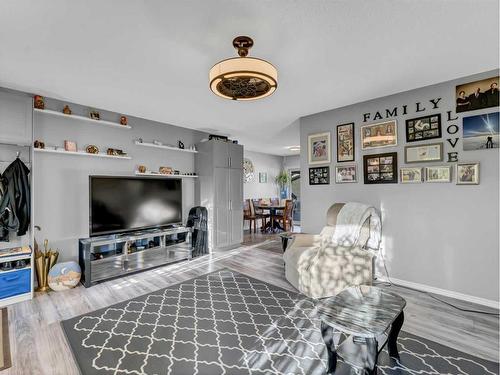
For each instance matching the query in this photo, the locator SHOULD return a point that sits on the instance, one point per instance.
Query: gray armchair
(318, 266)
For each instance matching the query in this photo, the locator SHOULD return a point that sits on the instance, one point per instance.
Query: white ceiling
(151, 58)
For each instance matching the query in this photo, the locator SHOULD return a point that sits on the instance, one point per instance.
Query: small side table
(371, 317)
(285, 237)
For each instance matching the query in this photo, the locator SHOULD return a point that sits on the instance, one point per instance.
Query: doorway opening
(295, 193)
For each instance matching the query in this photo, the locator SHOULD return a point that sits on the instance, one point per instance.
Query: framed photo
(345, 142)
(319, 148)
(424, 153)
(441, 173)
(346, 173)
(423, 128)
(263, 177)
(477, 95)
(481, 132)
(381, 168)
(319, 176)
(383, 134)
(468, 174)
(411, 175)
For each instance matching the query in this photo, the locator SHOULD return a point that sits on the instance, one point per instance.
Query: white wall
(270, 164)
(61, 181)
(439, 235)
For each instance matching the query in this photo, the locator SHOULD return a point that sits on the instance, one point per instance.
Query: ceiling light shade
(243, 78)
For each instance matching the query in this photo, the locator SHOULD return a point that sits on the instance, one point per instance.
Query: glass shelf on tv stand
(102, 248)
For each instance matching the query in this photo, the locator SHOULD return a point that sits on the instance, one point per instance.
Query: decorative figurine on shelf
(166, 170)
(140, 140)
(39, 144)
(123, 120)
(180, 145)
(70, 146)
(115, 152)
(141, 169)
(158, 143)
(92, 149)
(94, 115)
(38, 102)
(67, 110)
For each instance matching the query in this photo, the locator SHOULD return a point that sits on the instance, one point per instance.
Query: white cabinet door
(236, 211)
(221, 207)
(15, 118)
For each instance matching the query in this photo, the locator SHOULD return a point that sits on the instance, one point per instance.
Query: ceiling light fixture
(243, 77)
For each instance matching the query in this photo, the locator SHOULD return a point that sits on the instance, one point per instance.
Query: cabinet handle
(229, 161)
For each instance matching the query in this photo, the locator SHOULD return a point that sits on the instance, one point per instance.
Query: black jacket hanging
(15, 201)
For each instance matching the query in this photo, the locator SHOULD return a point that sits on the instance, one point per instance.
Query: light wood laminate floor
(38, 345)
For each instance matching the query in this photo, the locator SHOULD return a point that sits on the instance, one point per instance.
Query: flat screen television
(123, 204)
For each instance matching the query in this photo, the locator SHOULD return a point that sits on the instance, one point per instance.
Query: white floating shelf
(81, 153)
(146, 144)
(82, 118)
(165, 175)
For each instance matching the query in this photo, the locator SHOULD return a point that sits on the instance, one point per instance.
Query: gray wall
(291, 162)
(270, 164)
(439, 235)
(61, 181)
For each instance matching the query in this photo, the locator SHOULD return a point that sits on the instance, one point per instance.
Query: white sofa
(319, 268)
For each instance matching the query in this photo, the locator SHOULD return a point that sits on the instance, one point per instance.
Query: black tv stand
(107, 257)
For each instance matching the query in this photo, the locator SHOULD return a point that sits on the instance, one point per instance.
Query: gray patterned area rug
(228, 323)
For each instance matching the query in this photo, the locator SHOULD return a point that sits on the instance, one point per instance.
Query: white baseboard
(443, 292)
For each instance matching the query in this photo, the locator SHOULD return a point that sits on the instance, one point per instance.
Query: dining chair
(259, 213)
(286, 218)
(249, 215)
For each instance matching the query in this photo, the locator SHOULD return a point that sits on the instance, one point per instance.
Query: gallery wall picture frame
(411, 175)
(381, 168)
(346, 174)
(345, 142)
(381, 134)
(476, 95)
(424, 153)
(438, 174)
(263, 177)
(423, 128)
(481, 132)
(319, 176)
(319, 148)
(467, 173)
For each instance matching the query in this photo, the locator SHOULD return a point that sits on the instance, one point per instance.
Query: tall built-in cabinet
(219, 166)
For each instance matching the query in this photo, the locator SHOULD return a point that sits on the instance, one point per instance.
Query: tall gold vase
(44, 261)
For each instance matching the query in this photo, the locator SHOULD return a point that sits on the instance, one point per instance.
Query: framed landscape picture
(441, 173)
(319, 176)
(424, 153)
(381, 168)
(346, 173)
(319, 148)
(477, 95)
(467, 173)
(383, 134)
(345, 142)
(481, 132)
(423, 128)
(411, 175)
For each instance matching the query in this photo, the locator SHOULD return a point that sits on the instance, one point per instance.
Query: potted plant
(283, 180)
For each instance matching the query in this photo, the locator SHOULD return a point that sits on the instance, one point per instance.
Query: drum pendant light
(243, 77)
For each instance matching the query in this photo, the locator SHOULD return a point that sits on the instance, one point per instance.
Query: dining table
(273, 226)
